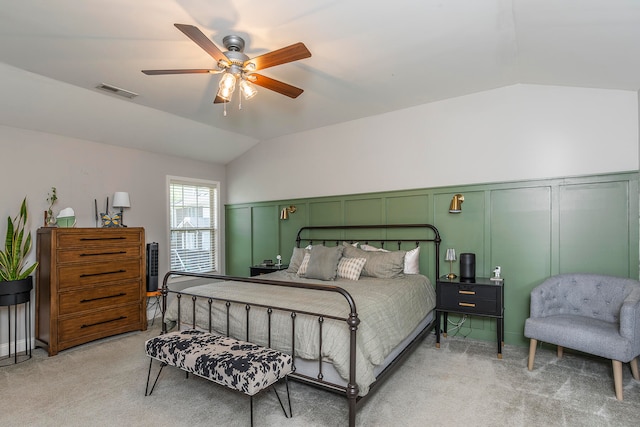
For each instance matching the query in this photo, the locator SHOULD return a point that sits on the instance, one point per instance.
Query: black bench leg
(288, 399)
(251, 406)
(148, 392)
(273, 387)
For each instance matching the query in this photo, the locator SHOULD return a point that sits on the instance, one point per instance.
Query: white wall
(517, 132)
(33, 162)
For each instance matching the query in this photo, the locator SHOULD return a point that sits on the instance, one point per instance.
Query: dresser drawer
(98, 324)
(99, 254)
(97, 297)
(97, 237)
(72, 276)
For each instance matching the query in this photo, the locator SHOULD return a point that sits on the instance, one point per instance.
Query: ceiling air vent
(116, 90)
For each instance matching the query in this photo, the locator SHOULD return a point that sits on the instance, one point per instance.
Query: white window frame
(171, 179)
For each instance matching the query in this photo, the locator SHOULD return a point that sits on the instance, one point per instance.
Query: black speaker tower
(467, 266)
(152, 267)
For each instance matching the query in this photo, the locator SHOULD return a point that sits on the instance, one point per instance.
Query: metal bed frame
(350, 391)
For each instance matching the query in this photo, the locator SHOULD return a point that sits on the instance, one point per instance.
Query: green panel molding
(238, 251)
(520, 230)
(532, 229)
(591, 215)
(264, 226)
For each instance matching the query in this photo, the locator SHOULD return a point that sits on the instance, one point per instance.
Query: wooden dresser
(90, 284)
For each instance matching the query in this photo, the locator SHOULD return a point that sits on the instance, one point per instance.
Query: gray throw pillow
(296, 259)
(384, 265)
(323, 262)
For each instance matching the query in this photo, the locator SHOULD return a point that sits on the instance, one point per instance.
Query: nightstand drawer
(472, 305)
(469, 291)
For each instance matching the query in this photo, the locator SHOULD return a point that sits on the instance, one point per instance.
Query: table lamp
(121, 200)
(450, 256)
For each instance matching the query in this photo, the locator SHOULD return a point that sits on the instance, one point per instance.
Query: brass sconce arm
(284, 213)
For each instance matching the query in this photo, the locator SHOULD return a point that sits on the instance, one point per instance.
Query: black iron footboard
(351, 321)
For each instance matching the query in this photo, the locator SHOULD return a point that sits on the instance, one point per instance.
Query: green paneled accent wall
(532, 229)
(520, 230)
(264, 243)
(593, 217)
(363, 211)
(238, 252)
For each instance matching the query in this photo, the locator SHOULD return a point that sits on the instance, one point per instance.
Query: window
(193, 225)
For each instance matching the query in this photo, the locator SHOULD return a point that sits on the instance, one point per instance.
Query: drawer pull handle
(121, 294)
(105, 253)
(102, 238)
(467, 292)
(466, 304)
(103, 273)
(105, 321)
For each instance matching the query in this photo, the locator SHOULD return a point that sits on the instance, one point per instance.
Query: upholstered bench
(237, 365)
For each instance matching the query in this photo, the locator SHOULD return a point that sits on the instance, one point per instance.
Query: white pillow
(350, 268)
(304, 264)
(411, 259)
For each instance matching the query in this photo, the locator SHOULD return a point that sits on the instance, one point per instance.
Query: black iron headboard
(306, 234)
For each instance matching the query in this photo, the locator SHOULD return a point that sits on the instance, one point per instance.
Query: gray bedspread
(388, 309)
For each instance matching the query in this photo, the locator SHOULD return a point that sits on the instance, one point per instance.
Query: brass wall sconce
(284, 213)
(456, 204)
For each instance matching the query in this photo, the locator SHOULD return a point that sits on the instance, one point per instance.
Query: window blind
(193, 226)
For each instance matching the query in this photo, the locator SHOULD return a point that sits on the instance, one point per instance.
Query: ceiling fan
(237, 67)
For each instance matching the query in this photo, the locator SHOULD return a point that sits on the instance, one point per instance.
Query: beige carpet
(461, 384)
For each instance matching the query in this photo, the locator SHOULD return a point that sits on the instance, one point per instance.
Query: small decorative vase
(51, 219)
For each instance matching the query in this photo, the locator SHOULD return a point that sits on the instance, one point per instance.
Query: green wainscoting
(532, 229)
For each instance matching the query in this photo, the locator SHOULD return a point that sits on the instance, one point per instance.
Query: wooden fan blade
(218, 100)
(193, 71)
(203, 41)
(281, 56)
(276, 85)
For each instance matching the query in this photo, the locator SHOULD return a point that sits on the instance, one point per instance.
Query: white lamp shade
(451, 255)
(121, 200)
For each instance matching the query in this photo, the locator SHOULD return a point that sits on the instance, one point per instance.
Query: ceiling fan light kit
(237, 68)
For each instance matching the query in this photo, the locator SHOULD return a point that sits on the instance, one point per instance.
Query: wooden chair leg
(617, 378)
(533, 344)
(560, 352)
(634, 368)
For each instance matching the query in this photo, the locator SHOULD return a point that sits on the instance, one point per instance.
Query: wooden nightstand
(256, 270)
(478, 297)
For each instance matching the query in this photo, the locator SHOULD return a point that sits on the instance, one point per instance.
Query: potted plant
(15, 277)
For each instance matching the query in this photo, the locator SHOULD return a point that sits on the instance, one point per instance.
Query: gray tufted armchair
(591, 313)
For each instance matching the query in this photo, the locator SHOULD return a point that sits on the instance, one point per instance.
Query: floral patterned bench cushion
(238, 365)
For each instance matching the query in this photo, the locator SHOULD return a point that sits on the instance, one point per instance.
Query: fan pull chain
(239, 100)
(225, 108)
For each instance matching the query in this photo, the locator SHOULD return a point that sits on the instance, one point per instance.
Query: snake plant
(17, 246)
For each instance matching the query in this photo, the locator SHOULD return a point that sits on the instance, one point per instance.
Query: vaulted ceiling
(368, 58)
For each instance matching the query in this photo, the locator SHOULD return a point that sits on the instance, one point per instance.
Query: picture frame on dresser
(90, 284)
